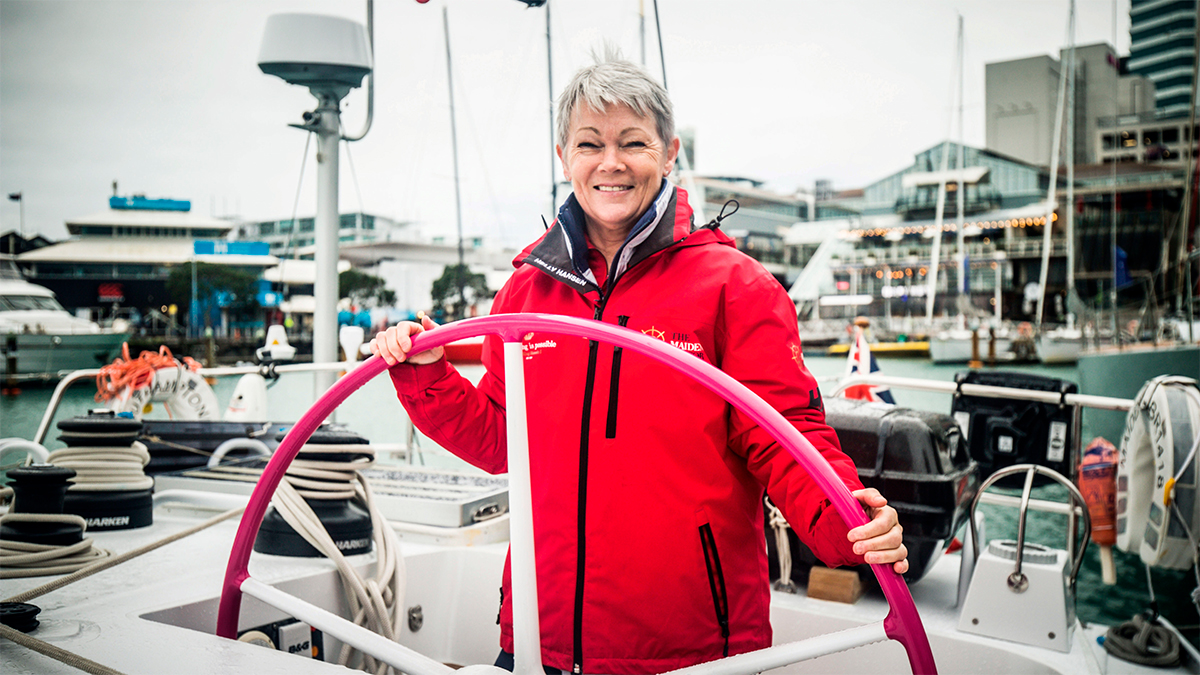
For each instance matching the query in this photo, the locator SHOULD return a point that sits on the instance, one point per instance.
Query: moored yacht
(38, 338)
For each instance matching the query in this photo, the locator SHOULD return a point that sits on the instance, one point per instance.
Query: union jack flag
(857, 362)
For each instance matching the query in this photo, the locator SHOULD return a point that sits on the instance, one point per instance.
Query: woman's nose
(611, 160)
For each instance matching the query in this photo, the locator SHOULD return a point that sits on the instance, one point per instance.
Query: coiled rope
(105, 469)
(19, 559)
(97, 469)
(136, 373)
(1143, 642)
(376, 602)
(782, 548)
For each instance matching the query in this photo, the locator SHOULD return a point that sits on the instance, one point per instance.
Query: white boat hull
(1054, 349)
(47, 354)
(960, 350)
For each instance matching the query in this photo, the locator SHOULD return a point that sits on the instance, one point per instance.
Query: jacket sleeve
(465, 419)
(761, 349)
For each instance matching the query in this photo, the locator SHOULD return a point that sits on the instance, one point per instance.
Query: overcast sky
(165, 97)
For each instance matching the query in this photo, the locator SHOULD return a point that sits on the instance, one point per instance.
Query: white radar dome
(327, 54)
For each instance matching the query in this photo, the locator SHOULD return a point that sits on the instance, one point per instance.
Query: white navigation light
(329, 55)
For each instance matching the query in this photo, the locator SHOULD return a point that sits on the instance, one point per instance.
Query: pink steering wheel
(902, 623)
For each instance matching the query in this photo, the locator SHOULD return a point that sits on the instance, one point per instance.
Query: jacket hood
(562, 251)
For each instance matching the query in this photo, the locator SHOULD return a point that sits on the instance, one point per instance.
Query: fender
(183, 392)
(1160, 432)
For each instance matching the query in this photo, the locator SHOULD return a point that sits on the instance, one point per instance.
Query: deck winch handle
(1017, 581)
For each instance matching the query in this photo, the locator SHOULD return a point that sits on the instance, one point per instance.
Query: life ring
(130, 385)
(184, 394)
(1157, 473)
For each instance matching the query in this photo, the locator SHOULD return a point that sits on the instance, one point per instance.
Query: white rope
(784, 551)
(109, 469)
(20, 559)
(376, 602)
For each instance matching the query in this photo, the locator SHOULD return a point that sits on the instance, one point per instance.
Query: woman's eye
(588, 145)
(635, 144)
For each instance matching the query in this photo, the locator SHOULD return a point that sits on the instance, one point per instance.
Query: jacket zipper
(581, 516)
(610, 429)
(716, 581)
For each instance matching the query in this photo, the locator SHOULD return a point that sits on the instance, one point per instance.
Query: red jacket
(647, 488)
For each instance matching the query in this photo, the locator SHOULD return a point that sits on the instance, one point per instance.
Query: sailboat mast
(1070, 210)
(1055, 149)
(935, 255)
(462, 294)
(685, 166)
(550, 86)
(960, 197)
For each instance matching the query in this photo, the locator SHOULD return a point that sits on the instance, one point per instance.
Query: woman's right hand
(393, 344)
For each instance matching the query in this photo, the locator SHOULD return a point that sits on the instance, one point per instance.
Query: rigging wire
(353, 176)
(288, 248)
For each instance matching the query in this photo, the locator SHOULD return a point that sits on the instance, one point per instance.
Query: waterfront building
(762, 221)
(1162, 49)
(878, 262)
(117, 261)
(294, 238)
(1022, 97)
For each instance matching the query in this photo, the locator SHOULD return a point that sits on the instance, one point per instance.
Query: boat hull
(44, 355)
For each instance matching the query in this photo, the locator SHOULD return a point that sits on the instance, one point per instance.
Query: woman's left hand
(879, 541)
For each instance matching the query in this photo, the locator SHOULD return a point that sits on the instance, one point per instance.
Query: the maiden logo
(682, 341)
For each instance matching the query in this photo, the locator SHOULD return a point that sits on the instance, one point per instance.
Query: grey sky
(165, 97)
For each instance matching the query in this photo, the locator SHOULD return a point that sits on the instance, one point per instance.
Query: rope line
(782, 548)
(1142, 642)
(118, 559)
(19, 559)
(56, 653)
(136, 373)
(105, 468)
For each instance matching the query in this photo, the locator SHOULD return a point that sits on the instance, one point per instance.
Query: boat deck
(156, 614)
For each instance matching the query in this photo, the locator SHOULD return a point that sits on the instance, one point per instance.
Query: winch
(323, 476)
(110, 490)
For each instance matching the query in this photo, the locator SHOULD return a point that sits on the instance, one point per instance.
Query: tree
(233, 288)
(360, 286)
(445, 292)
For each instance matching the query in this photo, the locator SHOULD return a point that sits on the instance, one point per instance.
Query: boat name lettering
(538, 345)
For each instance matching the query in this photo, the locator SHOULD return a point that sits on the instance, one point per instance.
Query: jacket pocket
(716, 581)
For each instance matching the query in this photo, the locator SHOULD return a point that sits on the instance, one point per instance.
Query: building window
(1170, 135)
(1150, 136)
(1129, 139)
(1109, 142)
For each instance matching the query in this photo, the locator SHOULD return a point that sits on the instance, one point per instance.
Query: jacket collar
(562, 250)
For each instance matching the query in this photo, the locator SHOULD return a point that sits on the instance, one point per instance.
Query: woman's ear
(566, 171)
(672, 155)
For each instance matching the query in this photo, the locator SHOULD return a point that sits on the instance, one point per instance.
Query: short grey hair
(612, 80)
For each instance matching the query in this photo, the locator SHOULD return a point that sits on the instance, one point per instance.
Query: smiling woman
(663, 577)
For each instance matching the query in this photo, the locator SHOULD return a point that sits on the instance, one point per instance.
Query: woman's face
(615, 162)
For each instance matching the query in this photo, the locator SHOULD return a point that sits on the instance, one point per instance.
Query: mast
(685, 167)
(550, 87)
(936, 254)
(1055, 149)
(1070, 210)
(960, 197)
(461, 276)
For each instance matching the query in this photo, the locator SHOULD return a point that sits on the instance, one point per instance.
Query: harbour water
(374, 412)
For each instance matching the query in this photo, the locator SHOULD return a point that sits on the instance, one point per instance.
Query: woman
(647, 488)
